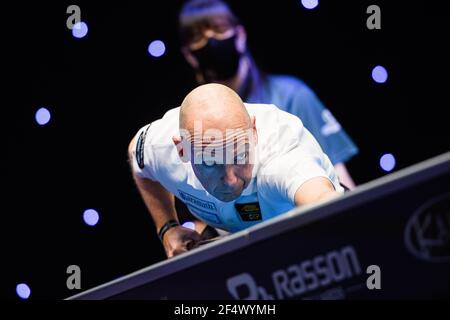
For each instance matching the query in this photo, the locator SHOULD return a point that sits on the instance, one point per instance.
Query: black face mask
(218, 59)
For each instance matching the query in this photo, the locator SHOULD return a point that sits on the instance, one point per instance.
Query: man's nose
(229, 177)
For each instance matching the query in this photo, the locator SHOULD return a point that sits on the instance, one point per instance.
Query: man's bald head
(218, 138)
(215, 106)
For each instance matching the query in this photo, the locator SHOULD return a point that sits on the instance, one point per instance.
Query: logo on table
(296, 280)
(427, 233)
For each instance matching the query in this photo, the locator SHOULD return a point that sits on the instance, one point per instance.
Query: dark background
(102, 88)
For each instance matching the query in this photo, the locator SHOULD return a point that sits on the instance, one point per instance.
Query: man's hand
(179, 239)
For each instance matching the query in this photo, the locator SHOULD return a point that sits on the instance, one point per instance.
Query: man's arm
(161, 205)
(159, 202)
(344, 175)
(314, 190)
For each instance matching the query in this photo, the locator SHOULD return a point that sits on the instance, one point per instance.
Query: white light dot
(379, 74)
(23, 291)
(310, 4)
(91, 217)
(42, 116)
(387, 162)
(156, 48)
(80, 30)
(189, 225)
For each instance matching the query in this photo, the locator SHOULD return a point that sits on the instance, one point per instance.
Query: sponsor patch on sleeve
(140, 147)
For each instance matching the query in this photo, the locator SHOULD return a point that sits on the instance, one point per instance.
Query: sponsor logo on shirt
(204, 209)
(197, 202)
(249, 211)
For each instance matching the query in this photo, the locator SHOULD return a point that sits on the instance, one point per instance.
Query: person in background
(214, 43)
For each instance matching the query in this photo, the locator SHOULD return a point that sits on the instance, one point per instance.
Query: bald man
(233, 164)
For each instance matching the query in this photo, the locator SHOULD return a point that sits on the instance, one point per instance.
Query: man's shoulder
(171, 116)
(270, 116)
(161, 130)
(269, 113)
(253, 108)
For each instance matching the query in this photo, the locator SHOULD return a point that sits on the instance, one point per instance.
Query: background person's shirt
(294, 96)
(287, 155)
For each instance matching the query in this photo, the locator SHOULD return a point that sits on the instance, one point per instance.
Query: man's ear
(179, 145)
(241, 39)
(190, 57)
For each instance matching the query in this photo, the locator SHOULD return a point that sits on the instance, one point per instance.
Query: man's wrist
(168, 225)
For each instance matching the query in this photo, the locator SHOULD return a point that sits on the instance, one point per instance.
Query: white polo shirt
(286, 156)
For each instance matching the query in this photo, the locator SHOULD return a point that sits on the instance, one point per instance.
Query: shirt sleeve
(141, 163)
(283, 174)
(334, 141)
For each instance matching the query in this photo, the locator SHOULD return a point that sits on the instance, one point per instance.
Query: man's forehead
(217, 136)
(228, 146)
(224, 146)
